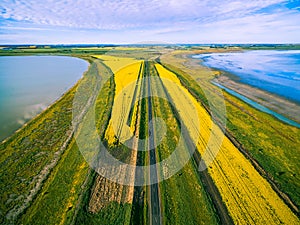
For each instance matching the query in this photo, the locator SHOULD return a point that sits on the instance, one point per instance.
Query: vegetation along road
(254, 178)
(155, 208)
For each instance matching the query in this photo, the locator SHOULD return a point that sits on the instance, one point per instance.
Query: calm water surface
(274, 71)
(28, 84)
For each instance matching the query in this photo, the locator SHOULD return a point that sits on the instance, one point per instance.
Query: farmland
(235, 177)
(249, 126)
(149, 105)
(177, 202)
(45, 143)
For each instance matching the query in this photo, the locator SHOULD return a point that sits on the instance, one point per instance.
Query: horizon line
(136, 44)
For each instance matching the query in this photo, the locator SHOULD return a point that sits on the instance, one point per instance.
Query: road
(154, 203)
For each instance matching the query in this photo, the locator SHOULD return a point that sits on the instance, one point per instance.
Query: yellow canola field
(116, 63)
(249, 198)
(126, 76)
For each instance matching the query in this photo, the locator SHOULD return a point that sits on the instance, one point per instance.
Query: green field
(45, 179)
(184, 190)
(271, 142)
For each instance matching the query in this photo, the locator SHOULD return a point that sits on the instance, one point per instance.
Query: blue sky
(138, 21)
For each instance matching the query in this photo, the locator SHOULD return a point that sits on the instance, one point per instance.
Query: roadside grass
(249, 197)
(274, 144)
(183, 198)
(140, 208)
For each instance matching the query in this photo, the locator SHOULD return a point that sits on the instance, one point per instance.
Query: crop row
(107, 201)
(183, 198)
(247, 195)
(273, 144)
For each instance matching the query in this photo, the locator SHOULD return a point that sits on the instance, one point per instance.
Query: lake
(28, 84)
(275, 71)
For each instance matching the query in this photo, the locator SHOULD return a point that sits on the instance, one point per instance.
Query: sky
(143, 21)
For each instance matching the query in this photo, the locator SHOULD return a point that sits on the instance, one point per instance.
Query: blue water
(28, 84)
(275, 71)
(258, 106)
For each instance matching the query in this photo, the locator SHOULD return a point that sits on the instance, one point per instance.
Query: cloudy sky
(138, 21)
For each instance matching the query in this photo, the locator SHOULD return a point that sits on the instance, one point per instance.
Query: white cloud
(153, 17)
(107, 14)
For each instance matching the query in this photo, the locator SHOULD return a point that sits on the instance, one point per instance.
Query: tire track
(155, 203)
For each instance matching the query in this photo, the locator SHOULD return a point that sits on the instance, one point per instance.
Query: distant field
(251, 128)
(45, 178)
(249, 198)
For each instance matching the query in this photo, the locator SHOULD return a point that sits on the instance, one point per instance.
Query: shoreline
(51, 104)
(258, 106)
(247, 152)
(278, 104)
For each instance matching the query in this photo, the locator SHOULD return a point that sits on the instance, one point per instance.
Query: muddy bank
(278, 104)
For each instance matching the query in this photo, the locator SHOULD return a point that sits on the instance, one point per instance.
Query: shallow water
(28, 84)
(259, 106)
(275, 71)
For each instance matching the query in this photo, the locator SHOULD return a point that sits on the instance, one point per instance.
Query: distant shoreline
(279, 104)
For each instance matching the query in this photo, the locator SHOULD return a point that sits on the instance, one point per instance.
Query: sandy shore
(274, 102)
